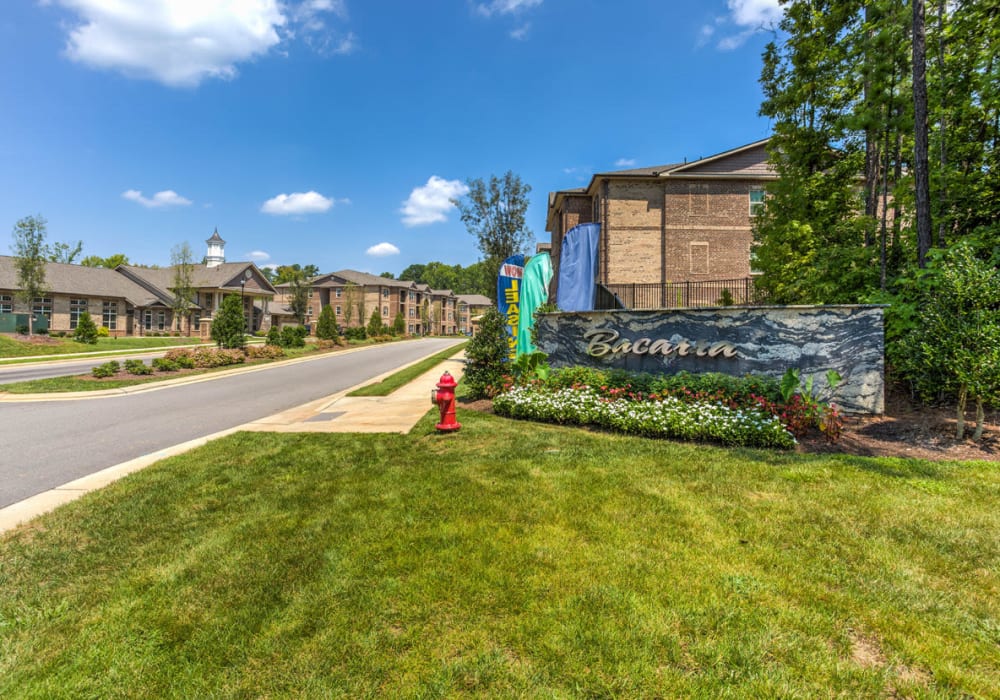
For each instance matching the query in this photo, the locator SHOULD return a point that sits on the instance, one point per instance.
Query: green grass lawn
(583, 564)
(405, 376)
(11, 347)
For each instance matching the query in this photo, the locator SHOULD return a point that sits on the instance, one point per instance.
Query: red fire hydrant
(444, 397)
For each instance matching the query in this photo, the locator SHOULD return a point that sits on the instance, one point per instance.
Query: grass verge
(13, 348)
(405, 376)
(577, 564)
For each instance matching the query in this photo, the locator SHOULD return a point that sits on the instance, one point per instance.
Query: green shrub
(86, 329)
(137, 367)
(358, 333)
(273, 336)
(487, 355)
(108, 369)
(103, 332)
(293, 337)
(162, 364)
(21, 329)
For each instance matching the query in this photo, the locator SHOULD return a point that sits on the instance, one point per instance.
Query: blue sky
(333, 132)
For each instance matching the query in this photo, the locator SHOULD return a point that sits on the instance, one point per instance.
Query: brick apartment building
(669, 228)
(356, 295)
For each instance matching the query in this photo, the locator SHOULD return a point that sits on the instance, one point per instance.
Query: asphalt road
(65, 368)
(48, 443)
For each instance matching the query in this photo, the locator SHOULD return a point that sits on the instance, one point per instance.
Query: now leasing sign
(732, 340)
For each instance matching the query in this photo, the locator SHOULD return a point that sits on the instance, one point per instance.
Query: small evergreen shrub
(358, 333)
(326, 327)
(293, 336)
(108, 369)
(273, 336)
(162, 364)
(137, 367)
(86, 329)
(487, 355)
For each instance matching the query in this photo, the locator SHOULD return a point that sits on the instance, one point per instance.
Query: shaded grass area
(11, 347)
(582, 564)
(405, 376)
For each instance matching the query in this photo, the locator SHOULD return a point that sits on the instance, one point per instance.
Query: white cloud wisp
(166, 198)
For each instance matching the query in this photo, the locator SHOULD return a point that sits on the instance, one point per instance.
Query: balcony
(677, 295)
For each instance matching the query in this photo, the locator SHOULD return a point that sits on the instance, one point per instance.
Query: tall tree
(29, 261)
(298, 289)
(181, 260)
(350, 297)
(110, 262)
(920, 166)
(494, 211)
(64, 252)
(286, 273)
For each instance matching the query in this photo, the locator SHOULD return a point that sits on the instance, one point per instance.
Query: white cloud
(166, 198)
(183, 42)
(431, 203)
(625, 163)
(761, 14)
(505, 7)
(382, 249)
(297, 203)
(750, 16)
(258, 255)
(521, 33)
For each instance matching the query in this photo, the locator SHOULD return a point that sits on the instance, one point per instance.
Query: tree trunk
(963, 394)
(920, 164)
(980, 419)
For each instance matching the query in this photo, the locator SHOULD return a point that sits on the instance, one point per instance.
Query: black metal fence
(675, 295)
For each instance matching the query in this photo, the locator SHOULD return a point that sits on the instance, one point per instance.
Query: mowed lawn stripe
(509, 559)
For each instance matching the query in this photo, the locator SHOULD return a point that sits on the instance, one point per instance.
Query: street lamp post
(243, 306)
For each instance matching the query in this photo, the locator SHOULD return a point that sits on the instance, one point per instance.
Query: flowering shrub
(205, 357)
(262, 352)
(664, 416)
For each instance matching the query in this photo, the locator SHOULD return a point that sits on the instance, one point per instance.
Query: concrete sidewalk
(396, 413)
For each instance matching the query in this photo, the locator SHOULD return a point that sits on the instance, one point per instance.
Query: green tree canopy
(110, 262)
(29, 260)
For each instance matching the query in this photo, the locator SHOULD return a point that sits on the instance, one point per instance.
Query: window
(338, 311)
(385, 312)
(339, 293)
(756, 201)
(161, 320)
(412, 296)
(310, 292)
(42, 306)
(309, 311)
(109, 315)
(698, 199)
(6, 304)
(699, 258)
(413, 313)
(411, 328)
(147, 320)
(196, 320)
(385, 293)
(76, 307)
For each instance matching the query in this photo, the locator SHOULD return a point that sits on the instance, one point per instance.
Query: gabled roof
(222, 276)
(61, 278)
(731, 164)
(475, 300)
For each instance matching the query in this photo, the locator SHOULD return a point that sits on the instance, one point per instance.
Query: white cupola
(216, 250)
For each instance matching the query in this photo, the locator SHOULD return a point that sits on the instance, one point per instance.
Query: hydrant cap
(446, 381)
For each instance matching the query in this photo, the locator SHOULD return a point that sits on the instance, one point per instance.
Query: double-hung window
(76, 307)
(109, 315)
(42, 306)
(6, 304)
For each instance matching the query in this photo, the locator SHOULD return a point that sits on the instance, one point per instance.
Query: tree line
(886, 138)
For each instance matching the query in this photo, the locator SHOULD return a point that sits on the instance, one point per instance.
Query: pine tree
(487, 354)
(326, 327)
(227, 326)
(86, 329)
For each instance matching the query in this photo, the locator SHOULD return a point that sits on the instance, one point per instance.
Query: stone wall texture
(733, 340)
